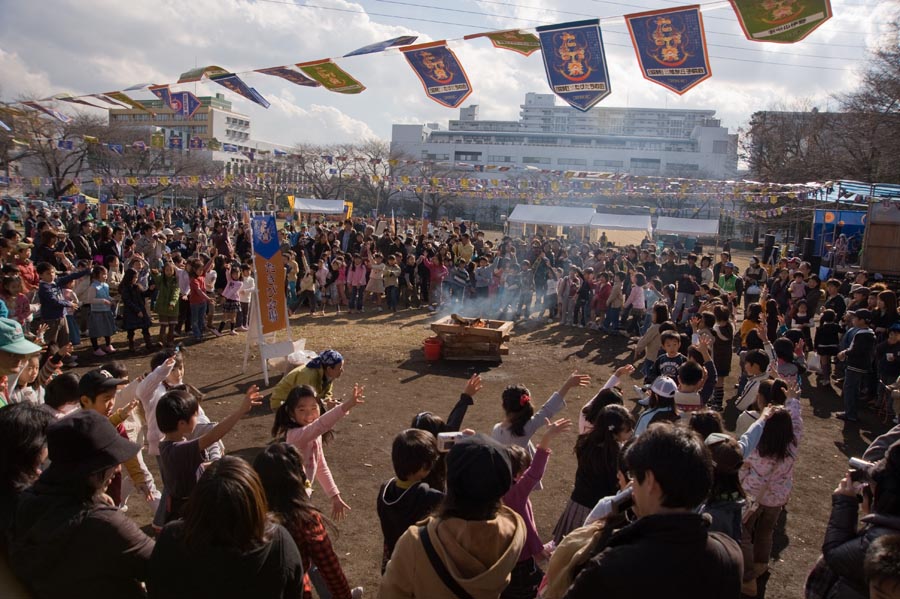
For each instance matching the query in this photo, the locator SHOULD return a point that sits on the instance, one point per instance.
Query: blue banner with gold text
(670, 45)
(440, 72)
(575, 62)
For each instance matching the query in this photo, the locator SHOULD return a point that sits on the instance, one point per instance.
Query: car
(13, 207)
(38, 205)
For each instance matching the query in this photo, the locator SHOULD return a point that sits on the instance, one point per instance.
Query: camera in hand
(623, 500)
(447, 440)
(860, 470)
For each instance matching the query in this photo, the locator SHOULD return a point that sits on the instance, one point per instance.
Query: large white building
(638, 141)
(214, 119)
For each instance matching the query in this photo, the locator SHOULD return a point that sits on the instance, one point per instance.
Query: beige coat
(479, 554)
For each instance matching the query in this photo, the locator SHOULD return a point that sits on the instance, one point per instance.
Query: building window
(720, 147)
(677, 167)
(535, 160)
(609, 163)
(428, 156)
(467, 156)
(571, 162)
(646, 165)
(500, 159)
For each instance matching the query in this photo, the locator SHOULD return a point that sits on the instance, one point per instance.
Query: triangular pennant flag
(403, 40)
(163, 93)
(520, 42)
(124, 99)
(670, 45)
(198, 74)
(55, 114)
(780, 22)
(72, 99)
(332, 77)
(575, 62)
(440, 72)
(235, 84)
(289, 74)
(5, 127)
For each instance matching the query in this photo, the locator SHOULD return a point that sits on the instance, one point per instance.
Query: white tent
(318, 206)
(549, 220)
(667, 225)
(621, 229)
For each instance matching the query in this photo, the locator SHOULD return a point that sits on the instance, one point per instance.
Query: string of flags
(670, 46)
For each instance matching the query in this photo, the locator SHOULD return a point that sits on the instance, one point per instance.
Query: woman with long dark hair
(226, 545)
(280, 469)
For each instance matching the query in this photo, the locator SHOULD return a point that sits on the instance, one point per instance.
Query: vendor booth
(315, 208)
(552, 221)
(621, 229)
(686, 230)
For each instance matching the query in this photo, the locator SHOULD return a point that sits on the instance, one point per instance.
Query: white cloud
(87, 46)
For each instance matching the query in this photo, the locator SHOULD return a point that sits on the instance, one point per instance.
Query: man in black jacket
(859, 358)
(669, 551)
(85, 246)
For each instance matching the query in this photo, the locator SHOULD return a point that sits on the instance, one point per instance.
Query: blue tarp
(828, 224)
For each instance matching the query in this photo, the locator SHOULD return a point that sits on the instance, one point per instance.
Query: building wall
(640, 141)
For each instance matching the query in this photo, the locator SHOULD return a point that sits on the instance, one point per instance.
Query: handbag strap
(439, 566)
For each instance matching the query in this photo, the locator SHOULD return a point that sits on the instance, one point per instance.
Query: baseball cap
(664, 387)
(167, 232)
(862, 314)
(478, 469)
(894, 328)
(24, 245)
(12, 339)
(729, 265)
(857, 288)
(83, 443)
(94, 382)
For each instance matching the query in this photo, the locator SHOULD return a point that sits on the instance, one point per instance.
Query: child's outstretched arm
(252, 398)
(455, 419)
(555, 403)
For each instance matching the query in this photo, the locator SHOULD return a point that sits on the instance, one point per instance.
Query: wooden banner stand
(269, 346)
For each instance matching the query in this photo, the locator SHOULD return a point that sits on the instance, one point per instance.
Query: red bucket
(432, 347)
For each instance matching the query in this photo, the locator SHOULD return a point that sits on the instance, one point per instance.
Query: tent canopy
(319, 206)
(559, 216)
(667, 225)
(621, 222)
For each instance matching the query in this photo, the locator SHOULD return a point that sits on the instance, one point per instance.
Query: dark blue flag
(575, 62)
(440, 72)
(403, 40)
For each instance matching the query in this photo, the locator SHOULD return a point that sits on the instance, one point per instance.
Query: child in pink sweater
(526, 576)
(304, 422)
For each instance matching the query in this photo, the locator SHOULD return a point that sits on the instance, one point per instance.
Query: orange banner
(270, 274)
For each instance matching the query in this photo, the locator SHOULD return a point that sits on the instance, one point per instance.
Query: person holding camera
(875, 488)
(671, 473)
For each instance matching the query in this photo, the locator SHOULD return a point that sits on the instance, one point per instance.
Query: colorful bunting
(196, 143)
(198, 73)
(158, 140)
(237, 85)
(163, 93)
(575, 62)
(403, 40)
(124, 99)
(520, 42)
(175, 143)
(332, 77)
(440, 72)
(780, 21)
(71, 98)
(670, 45)
(55, 114)
(288, 74)
(116, 148)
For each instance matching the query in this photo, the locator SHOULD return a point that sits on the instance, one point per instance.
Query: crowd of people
(665, 497)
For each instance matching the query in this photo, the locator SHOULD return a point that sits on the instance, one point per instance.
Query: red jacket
(601, 296)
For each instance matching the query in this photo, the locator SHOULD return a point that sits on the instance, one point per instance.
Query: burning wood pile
(473, 338)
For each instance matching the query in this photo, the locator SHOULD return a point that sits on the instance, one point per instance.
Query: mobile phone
(447, 440)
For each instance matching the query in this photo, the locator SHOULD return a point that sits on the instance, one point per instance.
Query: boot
(131, 345)
(163, 339)
(148, 342)
(170, 339)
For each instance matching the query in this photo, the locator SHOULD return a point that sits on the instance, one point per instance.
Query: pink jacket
(635, 298)
(308, 441)
(438, 273)
(356, 275)
(517, 499)
(769, 480)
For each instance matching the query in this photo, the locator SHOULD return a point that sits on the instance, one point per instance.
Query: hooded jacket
(861, 353)
(478, 554)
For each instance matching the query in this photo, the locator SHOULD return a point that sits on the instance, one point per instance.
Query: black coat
(845, 547)
(132, 305)
(664, 555)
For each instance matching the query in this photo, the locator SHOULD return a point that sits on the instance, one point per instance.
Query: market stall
(552, 221)
(621, 229)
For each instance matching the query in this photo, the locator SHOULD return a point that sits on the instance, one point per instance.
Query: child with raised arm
(527, 474)
(305, 424)
(521, 422)
(180, 458)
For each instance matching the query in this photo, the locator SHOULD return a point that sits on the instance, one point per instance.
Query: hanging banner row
(670, 46)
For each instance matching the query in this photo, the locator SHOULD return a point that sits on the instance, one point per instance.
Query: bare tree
(373, 162)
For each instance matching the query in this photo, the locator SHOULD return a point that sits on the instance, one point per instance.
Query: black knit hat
(478, 469)
(83, 443)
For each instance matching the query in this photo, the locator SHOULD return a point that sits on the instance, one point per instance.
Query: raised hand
(251, 399)
(473, 385)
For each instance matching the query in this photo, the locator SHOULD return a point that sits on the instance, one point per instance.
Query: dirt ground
(384, 353)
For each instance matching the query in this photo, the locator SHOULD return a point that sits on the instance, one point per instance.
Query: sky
(93, 46)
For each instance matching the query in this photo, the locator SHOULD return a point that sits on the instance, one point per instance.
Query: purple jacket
(517, 499)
